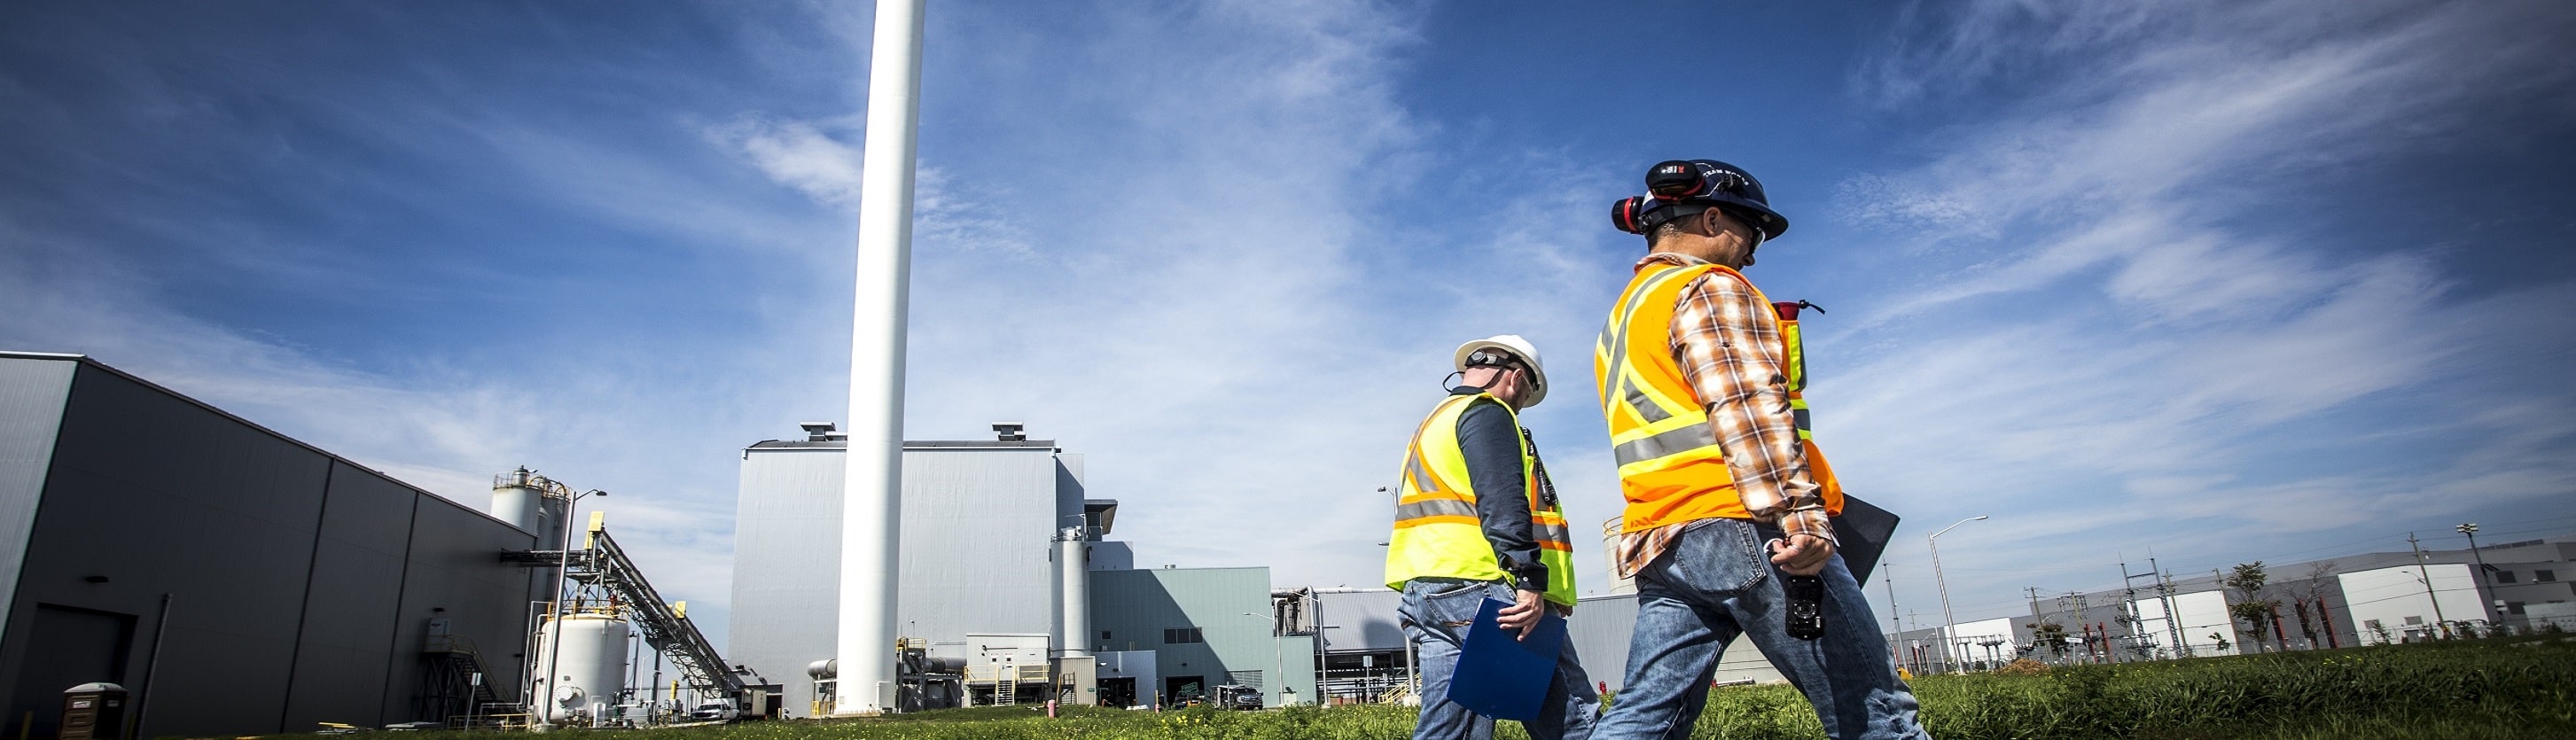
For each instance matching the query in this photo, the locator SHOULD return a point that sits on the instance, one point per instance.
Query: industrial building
(2365, 599)
(233, 579)
(1001, 547)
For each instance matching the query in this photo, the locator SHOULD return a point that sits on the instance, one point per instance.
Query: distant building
(2350, 600)
(982, 522)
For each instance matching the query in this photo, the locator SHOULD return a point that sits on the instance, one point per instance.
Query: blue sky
(2219, 281)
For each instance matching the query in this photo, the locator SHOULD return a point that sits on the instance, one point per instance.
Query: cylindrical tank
(1610, 546)
(525, 500)
(1073, 576)
(590, 666)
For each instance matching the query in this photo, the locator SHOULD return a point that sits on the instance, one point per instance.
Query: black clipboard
(1861, 533)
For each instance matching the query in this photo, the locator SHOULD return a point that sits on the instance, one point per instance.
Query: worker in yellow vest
(1477, 519)
(1701, 378)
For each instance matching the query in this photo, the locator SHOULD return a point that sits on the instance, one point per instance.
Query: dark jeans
(1435, 613)
(1717, 582)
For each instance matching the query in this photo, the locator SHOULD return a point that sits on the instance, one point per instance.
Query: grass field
(2509, 688)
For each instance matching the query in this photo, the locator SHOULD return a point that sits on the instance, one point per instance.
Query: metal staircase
(451, 663)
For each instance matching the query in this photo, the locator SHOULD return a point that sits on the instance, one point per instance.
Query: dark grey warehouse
(235, 580)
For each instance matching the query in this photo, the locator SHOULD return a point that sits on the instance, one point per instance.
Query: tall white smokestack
(872, 488)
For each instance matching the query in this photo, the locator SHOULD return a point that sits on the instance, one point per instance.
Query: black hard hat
(1673, 185)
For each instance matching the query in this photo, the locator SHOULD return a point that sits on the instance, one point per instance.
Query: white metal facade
(977, 524)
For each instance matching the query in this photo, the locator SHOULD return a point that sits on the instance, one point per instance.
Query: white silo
(1073, 590)
(532, 503)
(590, 666)
(1610, 546)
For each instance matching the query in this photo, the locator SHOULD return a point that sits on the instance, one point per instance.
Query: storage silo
(590, 666)
(1073, 590)
(533, 504)
(1610, 547)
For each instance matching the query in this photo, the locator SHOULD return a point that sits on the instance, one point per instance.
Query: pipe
(151, 668)
(872, 484)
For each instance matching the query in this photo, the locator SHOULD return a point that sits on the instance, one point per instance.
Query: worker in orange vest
(1727, 525)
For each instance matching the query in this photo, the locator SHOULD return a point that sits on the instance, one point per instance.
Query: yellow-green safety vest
(1437, 532)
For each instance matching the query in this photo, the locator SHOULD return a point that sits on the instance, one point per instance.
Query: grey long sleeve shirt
(1491, 443)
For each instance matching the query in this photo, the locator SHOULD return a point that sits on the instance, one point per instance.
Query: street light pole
(554, 614)
(1949, 622)
(1278, 651)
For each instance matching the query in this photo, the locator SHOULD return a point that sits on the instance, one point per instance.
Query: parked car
(1238, 696)
(714, 711)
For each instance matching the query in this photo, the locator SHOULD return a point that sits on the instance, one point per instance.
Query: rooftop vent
(1009, 431)
(817, 431)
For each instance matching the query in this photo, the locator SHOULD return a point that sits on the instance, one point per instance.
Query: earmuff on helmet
(1680, 188)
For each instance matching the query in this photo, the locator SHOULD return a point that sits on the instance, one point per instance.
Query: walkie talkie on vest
(1806, 612)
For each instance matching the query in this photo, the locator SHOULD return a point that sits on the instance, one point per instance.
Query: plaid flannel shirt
(1731, 356)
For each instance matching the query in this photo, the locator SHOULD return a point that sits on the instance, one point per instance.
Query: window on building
(1104, 634)
(2414, 620)
(2513, 607)
(1182, 636)
(2370, 623)
(2504, 576)
(2544, 576)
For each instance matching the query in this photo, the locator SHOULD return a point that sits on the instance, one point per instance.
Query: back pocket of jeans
(1722, 557)
(1456, 606)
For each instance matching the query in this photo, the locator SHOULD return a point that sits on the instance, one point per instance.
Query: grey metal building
(1205, 626)
(978, 520)
(238, 581)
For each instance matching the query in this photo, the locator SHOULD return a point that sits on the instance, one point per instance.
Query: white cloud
(2118, 338)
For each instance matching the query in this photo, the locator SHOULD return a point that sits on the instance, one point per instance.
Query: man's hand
(1802, 554)
(1522, 615)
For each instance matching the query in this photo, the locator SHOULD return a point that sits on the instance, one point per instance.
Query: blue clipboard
(1502, 676)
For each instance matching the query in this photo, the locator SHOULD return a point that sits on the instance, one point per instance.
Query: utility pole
(2426, 576)
(2173, 620)
(2480, 582)
(1893, 621)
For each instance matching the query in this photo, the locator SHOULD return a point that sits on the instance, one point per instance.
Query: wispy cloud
(2118, 335)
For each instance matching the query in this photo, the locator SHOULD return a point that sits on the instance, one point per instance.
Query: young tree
(2251, 607)
(2306, 592)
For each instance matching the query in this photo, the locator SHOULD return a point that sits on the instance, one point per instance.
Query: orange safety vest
(1671, 468)
(1437, 532)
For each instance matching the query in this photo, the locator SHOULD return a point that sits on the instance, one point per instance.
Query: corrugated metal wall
(1600, 629)
(1134, 607)
(977, 528)
(786, 566)
(32, 393)
(298, 583)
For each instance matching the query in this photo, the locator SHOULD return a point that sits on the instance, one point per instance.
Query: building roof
(909, 444)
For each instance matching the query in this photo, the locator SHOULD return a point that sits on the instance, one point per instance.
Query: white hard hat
(1514, 344)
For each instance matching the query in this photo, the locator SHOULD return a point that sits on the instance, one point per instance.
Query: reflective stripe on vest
(1671, 466)
(1437, 532)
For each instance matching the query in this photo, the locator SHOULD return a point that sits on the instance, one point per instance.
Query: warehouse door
(66, 647)
(1118, 692)
(1178, 690)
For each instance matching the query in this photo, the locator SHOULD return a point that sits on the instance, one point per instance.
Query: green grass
(2517, 688)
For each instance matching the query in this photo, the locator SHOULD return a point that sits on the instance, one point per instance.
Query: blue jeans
(1435, 613)
(1716, 582)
